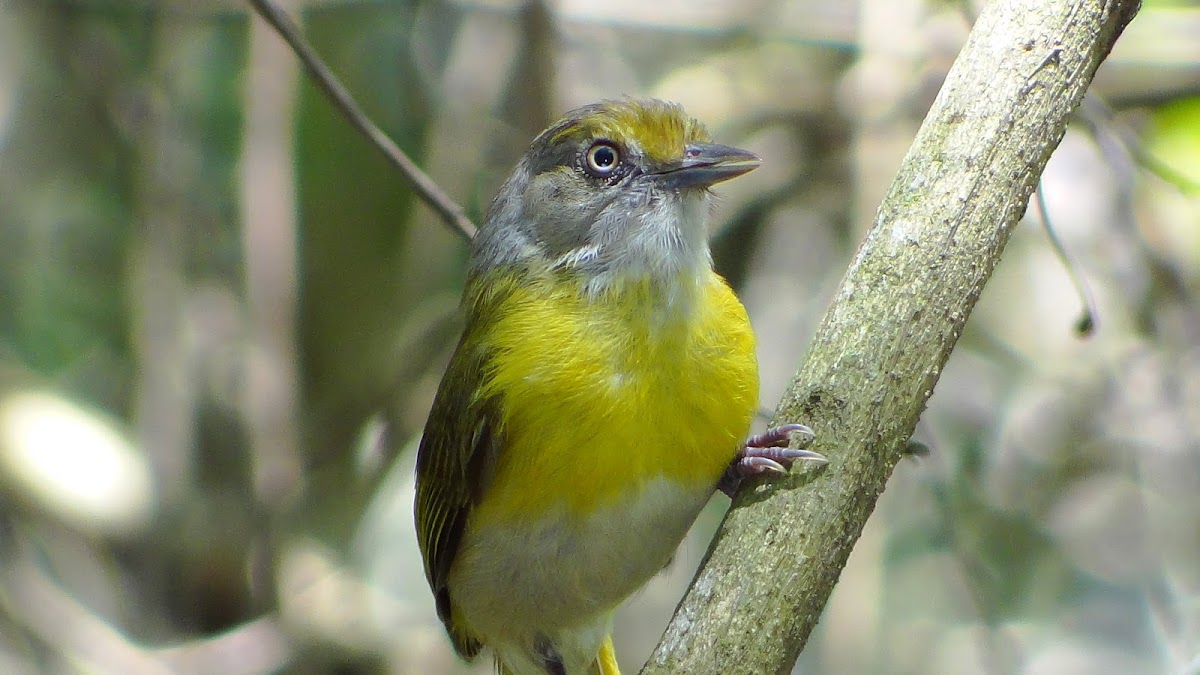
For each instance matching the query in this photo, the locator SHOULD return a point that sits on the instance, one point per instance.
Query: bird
(601, 391)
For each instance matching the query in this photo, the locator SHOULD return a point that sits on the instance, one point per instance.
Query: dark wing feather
(456, 450)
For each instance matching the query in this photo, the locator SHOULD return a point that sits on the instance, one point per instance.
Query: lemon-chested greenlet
(601, 390)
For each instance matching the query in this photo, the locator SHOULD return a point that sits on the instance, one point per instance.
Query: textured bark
(881, 346)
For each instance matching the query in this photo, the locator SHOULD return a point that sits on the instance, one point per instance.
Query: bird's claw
(780, 436)
(768, 453)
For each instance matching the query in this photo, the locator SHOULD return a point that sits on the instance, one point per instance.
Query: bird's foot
(551, 660)
(768, 453)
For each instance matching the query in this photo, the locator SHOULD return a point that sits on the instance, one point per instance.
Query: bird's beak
(706, 164)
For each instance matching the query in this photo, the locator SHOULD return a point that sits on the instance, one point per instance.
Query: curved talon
(759, 465)
(783, 455)
(781, 435)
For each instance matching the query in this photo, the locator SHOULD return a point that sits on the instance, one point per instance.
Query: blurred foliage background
(223, 318)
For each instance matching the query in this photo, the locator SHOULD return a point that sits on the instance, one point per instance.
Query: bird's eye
(602, 159)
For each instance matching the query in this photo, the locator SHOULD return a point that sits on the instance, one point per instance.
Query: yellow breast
(602, 395)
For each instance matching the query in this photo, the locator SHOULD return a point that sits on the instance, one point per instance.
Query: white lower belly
(511, 583)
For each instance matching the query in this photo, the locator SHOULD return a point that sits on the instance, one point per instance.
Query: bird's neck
(663, 258)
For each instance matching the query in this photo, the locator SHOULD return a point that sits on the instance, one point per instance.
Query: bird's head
(614, 190)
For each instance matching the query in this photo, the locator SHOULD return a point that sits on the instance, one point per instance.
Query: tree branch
(880, 348)
(422, 184)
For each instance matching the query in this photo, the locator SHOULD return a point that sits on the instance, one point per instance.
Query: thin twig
(426, 189)
(1086, 324)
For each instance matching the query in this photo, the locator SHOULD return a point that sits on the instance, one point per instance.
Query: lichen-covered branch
(881, 346)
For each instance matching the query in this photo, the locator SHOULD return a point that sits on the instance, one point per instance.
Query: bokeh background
(223, 318)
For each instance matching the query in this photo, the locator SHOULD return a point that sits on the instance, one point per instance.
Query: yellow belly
(619, 415)
(601, 395)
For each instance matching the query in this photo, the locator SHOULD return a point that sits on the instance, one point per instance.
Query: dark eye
(602, 159)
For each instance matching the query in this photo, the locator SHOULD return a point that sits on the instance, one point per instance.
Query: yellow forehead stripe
(657, 130)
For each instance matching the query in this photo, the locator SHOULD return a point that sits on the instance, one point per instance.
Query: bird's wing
(456, 451)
